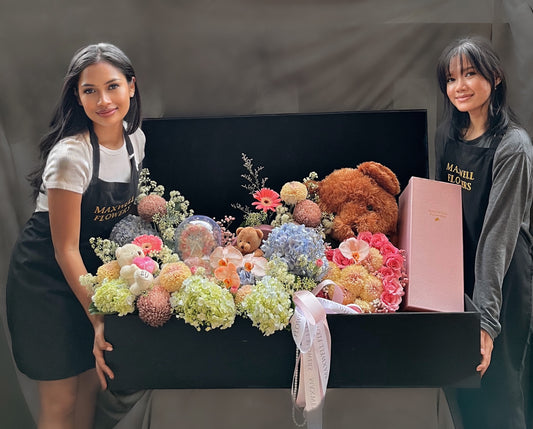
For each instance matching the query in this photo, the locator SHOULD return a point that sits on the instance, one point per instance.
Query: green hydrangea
(268, 305)
(113, 296)
(204, 304)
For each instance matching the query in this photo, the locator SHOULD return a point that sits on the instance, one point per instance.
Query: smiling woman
(89, 167)
(469, 92)
(481, 146)
(105, 93)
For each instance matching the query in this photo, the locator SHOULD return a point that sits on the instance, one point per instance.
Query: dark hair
(479, 52)
(69, 118)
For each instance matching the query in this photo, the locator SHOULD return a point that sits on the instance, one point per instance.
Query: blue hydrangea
(246, 277)
(130, 227)
(301, 248)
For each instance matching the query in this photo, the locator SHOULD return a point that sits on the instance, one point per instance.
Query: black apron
(471, 168)
(500, 402)
(51, 335)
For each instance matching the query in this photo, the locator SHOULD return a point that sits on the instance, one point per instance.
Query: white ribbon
(311, 335)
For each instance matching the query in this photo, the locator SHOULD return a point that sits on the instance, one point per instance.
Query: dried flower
(104, 248)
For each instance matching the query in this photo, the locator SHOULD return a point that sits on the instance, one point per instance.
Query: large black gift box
(368, 350)
(202, 158)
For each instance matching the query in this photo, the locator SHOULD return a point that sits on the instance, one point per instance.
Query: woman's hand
(101, 345)
(486, 352)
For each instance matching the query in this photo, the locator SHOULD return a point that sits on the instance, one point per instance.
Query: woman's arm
(65, 223)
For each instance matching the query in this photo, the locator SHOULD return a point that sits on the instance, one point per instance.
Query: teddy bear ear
(383, 176)
(239, 229)
(259, 233)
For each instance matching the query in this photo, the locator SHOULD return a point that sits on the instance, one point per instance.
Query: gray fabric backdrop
(230, 57)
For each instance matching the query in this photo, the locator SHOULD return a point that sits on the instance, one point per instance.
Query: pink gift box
(431, 232)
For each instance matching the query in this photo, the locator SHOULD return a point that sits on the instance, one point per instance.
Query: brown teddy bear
(249, 240)
(361, 199)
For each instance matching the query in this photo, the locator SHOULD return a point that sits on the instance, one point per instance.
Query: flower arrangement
(296, 201)
(370, 272)
(185, 265)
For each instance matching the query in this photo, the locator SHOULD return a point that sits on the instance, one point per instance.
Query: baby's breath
(103, 248)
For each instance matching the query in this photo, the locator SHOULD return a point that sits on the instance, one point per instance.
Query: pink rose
(390, 302)
(395, 261)
(365, 236)
(392, 286)
(388, 249)
(378, 240)
(338, 258)
(387, 272)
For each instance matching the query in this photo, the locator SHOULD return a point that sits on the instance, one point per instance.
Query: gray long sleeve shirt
(508, 212)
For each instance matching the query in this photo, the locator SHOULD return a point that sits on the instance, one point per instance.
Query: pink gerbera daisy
(148, 243)
(267, 199)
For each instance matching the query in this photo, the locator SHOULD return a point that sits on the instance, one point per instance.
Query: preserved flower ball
(292, 192)
(372, 289)
(154, 307)
(110, 271)
(150, 205)
(352, 279)
(367, 307)
(172, 275)
(307, 212)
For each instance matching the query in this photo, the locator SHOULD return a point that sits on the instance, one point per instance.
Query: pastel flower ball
(307, 212)
(173, 274)
(150, 205)
(154, 307)
(110, 271)
(293, 192)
